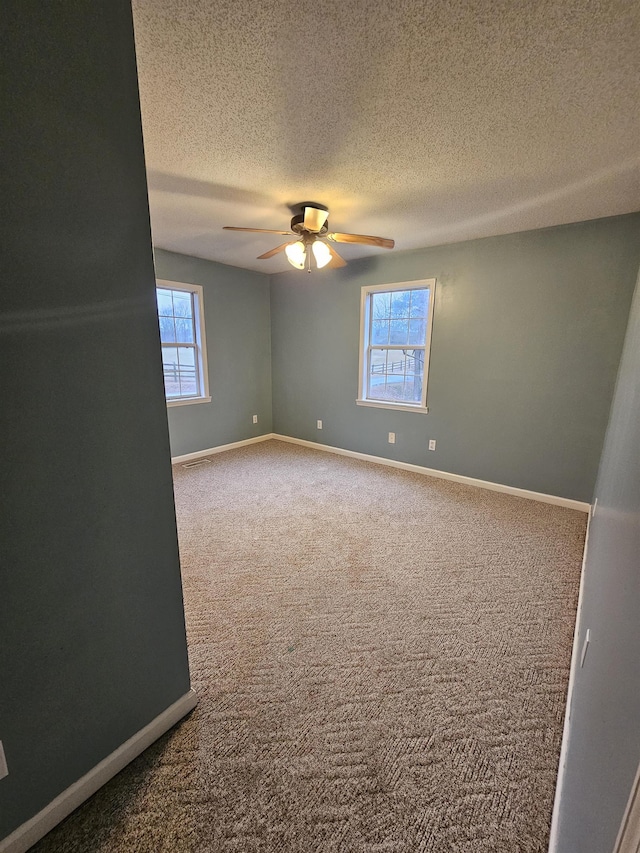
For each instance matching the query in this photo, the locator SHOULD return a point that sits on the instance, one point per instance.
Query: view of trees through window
(397, 340)
(179, 345)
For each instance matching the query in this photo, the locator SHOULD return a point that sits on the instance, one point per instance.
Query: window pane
(378, 361)
(377, 373)
(410, 363)
(419, 303)
(181, 378)
(380, 332)
(182, 304)
(381, 306)
(167, 330)
(412, 391)
(399, 332)
(185, 332)
(187, 369)
(395, 376)
(413, 379)
(165, 304)
(417, 331)
(395, 363)
(400, 303)
(171, 371)
(415, 361)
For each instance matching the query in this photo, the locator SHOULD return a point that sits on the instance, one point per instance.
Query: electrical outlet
(4, 770)
(319, 424)
(255, 419)
(392, 438)
(432, 444)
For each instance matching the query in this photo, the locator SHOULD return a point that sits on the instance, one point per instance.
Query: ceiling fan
(313, 238)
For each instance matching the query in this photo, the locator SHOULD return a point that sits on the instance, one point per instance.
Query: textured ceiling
(424, 122)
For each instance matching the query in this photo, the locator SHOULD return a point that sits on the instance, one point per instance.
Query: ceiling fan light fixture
(321, 253)
(296, 254)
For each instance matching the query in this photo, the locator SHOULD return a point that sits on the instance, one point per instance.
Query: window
(395, 337)
(184, 356)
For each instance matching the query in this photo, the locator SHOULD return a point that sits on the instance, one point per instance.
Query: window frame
(366, 300)
(200, 346)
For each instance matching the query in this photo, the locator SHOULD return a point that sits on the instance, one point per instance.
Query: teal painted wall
(527, 336)
(604, 739)
(238, 330)
(92, 638)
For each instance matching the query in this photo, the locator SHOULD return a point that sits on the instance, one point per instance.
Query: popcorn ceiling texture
(425, 122)
(381, 660)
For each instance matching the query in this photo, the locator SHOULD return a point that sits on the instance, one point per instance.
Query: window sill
(187, 401)
(397, 406)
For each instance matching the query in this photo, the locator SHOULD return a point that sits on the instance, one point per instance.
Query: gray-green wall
(238, 331)
(604, 736)
(527, 336)
(92, 640)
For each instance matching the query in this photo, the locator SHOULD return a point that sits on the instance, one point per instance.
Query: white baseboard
(575, 663)
(187, 457)
(37, 827)
(443, 475)
(392, 463)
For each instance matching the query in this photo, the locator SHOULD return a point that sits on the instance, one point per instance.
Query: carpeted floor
(381, 658)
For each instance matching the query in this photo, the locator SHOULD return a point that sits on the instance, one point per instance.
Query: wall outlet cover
(255, 419)
(319, 424)
(392, 438)
(432, 444)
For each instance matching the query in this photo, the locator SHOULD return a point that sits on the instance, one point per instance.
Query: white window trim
(430, 284)
(201, 341)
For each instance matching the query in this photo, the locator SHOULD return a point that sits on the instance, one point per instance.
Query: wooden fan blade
(336, 259)
(314, 218)
(275, 251)
(382, 242)
(254, 230)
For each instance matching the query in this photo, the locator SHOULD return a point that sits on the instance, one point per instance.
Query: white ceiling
(424, 122)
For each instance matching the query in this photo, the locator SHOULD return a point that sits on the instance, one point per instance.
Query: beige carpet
(381, 659)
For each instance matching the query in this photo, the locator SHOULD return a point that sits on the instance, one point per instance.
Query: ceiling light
(296, 254)
(322, 253)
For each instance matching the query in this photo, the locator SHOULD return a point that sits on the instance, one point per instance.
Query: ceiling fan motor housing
(297, 226)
